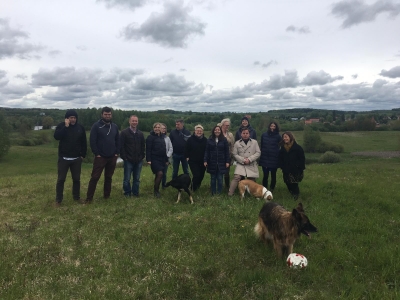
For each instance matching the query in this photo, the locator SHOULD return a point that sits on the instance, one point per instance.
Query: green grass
(149, 248)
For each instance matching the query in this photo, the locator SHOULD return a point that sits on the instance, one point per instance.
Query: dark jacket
(195, 148)
(155, 151)
(132, 145)
(270, 149)
(72, 140)
(217, 155)
(104, 139)
(292, 161)
(178, 139)
(253, 134)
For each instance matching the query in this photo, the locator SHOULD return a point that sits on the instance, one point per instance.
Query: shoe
(85, 201)
(295, 197)
(157, 194)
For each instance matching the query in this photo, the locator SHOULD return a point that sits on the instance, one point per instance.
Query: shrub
(311, 139)
(329, 157)
(328, 146)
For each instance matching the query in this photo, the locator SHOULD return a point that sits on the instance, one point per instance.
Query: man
(132, 152)
(178, 138)
(246, 152)
(245, 123)
(104, 142)
(72, 149)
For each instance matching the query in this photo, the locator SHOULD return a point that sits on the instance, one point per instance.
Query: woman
(169, 150)
(156, 156)
(194, 153)
(216, 158)
(269, 158)
(245, 123)
(225, 124)
(292, 162)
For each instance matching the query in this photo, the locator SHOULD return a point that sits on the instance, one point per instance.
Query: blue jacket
(217, 155)
(104, 139)
(270, 149)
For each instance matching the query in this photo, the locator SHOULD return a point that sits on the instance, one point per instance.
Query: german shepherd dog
(282, 227)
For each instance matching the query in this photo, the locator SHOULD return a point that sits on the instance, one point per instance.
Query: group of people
(215, 155)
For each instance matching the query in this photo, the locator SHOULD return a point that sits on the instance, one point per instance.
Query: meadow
(148, 248)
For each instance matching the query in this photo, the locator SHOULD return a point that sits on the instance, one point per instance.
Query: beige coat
(250, 151)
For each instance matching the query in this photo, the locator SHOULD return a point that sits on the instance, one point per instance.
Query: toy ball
(296, 261)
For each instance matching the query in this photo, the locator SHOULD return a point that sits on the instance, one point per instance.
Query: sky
(200, 55)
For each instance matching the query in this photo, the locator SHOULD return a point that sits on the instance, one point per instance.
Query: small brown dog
(255, 189)
(282, 227)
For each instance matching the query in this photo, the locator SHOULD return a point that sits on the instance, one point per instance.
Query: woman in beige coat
(245, 152)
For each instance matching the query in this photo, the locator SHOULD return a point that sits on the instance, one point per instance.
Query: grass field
(148, 248)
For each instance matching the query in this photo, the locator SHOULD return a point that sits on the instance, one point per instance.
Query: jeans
(131, 169)
(99, 164)
(273, 177)
(176, 159)
(63, 167)
(216, 183)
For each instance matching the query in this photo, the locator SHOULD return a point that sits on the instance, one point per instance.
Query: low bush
(329, 157)
(328, 146)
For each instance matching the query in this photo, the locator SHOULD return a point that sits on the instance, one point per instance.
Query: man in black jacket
(178, 138)
(132, 152)
(104, 142)
(71, 150)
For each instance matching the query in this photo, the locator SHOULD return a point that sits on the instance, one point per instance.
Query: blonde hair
(156, 123)
(225, 120)
(198, 126)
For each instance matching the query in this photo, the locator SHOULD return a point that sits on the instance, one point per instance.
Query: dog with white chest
(254, 189)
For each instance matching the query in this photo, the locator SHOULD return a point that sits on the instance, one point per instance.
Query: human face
(163, 129)
(157, 129)
(179, 125)
(198, 132)
(133, 121)
(107, 116)
(272, 126)
(286, 139)
(245, 123)
(245, 135)
(225, 126)
(72, 120)
(217, 131)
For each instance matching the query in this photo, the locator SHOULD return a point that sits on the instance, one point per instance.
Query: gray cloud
(182, 70)
(131, 4)
(356, 12)
(271, 62)
(354, 76)
(21, 76)
(256, 63)
(319, 78)
(172, 28)
(303, 30)
(10, 45)
(392, 73)
(54, 53)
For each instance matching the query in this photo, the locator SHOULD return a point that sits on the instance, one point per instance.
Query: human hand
(66, 122)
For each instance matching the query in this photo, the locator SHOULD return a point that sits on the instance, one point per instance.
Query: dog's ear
(299, 208)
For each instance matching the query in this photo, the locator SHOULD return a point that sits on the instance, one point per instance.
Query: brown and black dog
(282, 227)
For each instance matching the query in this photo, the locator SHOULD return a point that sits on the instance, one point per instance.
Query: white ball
(296, 261)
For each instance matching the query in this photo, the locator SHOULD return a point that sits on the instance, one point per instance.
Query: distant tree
(4, 136)
(311, 139)
(47, 122)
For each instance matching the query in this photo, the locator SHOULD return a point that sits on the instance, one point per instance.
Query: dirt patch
(383, 154)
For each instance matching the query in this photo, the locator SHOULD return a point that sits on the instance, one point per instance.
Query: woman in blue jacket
(269, 159)
(217, 158)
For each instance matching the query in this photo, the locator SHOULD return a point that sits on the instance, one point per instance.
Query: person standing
(216, 158)
(169, 149)
(292, 163)
(72, 149)
(194, 154)
(269, 159)
(245, 123)
(225, 124)
(104, 142)
(156, 156)
(246, 152)
(132, 152)
(178, 138)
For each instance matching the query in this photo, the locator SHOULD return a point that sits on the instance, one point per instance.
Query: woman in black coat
(217, 158)
(269, 159)
(194, 153)
(292, 162)
(156, 155)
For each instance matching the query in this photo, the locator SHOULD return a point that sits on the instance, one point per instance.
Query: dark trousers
(63, 166)
(99, 164)
(198, 169)
(265, 178)
(227, 177)
(292, 187)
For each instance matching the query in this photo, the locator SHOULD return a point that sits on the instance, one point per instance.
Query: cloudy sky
(200, 55)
